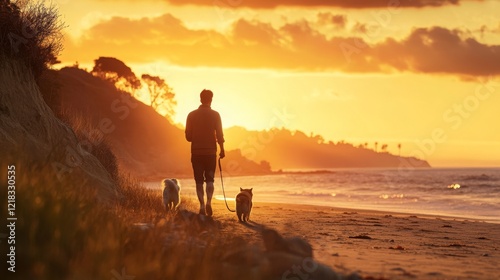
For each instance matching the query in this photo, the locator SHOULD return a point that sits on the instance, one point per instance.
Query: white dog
(171, 194)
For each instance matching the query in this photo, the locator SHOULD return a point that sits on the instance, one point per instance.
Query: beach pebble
(360, 237)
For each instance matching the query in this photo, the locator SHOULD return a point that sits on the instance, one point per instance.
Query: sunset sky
(423, 73)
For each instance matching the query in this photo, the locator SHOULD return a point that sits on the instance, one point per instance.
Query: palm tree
(376, 144)
(399, 148)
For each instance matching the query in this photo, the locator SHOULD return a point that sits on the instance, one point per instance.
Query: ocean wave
(482, 177)
(474, 188)
(392, 196)
(313, 194)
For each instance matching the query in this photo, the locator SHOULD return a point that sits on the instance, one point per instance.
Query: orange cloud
(339, 21)
(293, 46)
(439, 50)
(355, 4)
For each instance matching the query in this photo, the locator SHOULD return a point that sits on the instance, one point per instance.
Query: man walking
(204, 131)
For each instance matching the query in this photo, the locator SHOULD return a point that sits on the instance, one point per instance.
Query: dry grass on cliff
(64, 232)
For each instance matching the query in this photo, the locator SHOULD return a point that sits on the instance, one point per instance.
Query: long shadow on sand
(253, 225)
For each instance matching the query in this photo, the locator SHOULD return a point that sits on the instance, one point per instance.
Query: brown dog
(244, 204)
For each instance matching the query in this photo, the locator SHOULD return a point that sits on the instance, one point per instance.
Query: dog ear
(251, 189)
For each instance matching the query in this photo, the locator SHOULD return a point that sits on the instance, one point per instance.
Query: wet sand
(380, 245)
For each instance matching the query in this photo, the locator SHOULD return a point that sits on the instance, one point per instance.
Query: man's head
(206, 97)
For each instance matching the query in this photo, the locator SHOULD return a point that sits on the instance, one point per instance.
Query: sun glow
(266, 69)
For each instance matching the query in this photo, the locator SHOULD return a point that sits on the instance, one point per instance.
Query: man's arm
(189, 129)
(220, 136)
(222, 153)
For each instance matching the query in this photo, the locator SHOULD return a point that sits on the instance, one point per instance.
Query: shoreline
(219, 197)
(377, 243)
(391, 211)
(374, 195)
(324, 170)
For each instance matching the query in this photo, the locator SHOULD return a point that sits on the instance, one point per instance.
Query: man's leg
(209, 174)
(210, 193)
(198, 168)
(200, 193)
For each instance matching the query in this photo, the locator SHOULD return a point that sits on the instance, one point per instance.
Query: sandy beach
(379, 245)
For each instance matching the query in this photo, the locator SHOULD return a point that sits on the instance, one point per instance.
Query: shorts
(204, 168)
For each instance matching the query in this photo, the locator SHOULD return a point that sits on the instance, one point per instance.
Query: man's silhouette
(204, 131)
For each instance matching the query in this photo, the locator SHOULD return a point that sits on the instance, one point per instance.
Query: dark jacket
(204, 131)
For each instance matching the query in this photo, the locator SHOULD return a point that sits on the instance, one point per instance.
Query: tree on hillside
(399, 148)
(384, 148)
(161, 95)
(117, 72)
(30, 32)
(376, 145)
(319, 139)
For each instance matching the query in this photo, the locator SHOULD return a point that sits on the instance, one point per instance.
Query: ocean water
(471, 193)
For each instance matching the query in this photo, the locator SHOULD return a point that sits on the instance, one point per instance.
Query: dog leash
(222, 183)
